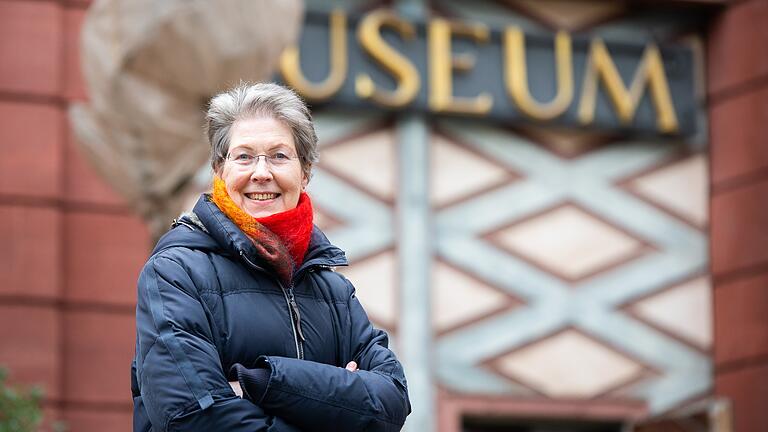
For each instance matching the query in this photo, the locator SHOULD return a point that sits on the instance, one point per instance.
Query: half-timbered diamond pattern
(676, 251)
(571, 254)
(564, 265)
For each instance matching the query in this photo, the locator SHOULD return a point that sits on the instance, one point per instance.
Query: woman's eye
(243, 157)
(280, 156)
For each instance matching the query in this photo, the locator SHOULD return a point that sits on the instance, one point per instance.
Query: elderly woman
(243, 290)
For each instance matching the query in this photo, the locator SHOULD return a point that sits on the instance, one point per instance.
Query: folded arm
(323, 397)
(178, 375)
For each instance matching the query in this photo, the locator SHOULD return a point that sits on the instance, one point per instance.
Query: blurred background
(557, 209)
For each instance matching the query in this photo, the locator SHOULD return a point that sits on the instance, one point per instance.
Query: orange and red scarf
(280, 239)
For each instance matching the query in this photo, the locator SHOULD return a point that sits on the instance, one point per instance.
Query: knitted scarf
(280, 239)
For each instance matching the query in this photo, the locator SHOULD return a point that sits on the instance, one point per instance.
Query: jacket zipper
(293, 311)
(294, 308)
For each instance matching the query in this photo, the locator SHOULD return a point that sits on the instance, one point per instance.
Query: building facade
(531, 272)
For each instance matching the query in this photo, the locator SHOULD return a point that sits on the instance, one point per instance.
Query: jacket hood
(208, 229)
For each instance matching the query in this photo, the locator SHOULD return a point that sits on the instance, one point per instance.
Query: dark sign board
(447, 67)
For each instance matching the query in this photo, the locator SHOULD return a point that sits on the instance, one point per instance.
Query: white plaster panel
(569, 241)
(570, 365)
(681, 187)
(457, 298)
(457, 172)
(685, 310)
(369, 160)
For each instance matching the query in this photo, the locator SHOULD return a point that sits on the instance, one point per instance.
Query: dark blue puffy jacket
(206, 304)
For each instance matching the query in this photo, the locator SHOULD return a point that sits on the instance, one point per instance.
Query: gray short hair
(261, 99)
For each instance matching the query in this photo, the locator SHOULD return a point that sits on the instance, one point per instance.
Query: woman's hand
(351, 366)
(236, 387)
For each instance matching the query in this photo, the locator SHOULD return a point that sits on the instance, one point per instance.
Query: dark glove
(254, 382)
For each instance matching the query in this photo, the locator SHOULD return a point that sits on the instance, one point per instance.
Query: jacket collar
(230, 238)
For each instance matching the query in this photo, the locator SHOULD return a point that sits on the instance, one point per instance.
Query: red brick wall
(738, 108)
(71, 249)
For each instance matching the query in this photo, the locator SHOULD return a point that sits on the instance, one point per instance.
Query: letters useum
(346, 55)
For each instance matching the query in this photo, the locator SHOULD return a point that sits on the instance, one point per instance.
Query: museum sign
(450, 67)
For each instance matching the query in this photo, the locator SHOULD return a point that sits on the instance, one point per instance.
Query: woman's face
(262, 188)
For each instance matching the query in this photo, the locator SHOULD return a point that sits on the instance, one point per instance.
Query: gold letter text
(649, 73)
(516, 75)
(290, 66)
(442, 63)
(406, 75)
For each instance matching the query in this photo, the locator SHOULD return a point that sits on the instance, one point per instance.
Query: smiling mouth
(262, 196)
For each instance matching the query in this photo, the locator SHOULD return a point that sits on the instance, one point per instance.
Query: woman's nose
(261, 170)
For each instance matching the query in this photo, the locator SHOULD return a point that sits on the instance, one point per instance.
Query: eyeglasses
(245, 159)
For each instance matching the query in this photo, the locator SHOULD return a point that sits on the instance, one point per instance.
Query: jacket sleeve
(179, 375)
(321, 397)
